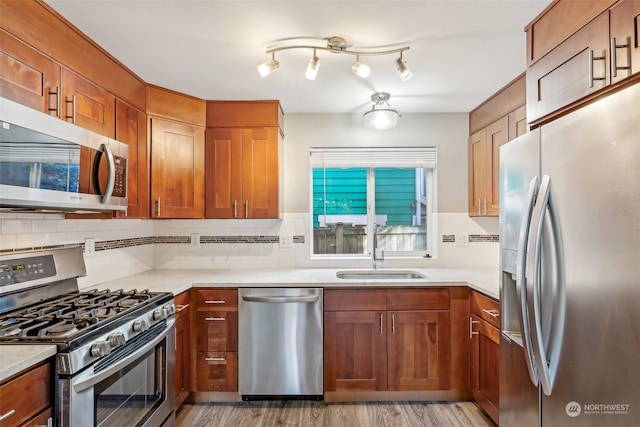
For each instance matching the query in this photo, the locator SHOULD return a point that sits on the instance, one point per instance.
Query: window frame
(415, 157)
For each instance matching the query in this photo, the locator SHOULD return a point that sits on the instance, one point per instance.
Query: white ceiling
(461, 51)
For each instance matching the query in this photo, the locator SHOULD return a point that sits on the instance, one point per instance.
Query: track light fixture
(381, 116)
(336, 45)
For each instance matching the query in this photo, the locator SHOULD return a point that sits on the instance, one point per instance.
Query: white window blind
(418, 157)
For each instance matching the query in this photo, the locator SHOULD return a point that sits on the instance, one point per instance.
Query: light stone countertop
(485, 280)
(16, 358)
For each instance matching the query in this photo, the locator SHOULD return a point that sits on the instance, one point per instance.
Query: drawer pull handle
(71, 101)
(471, 323)
(381, 317)
(182, 307)
(493, 313)
(7, 415)
(215, 359)
(55, 93)
(219, 301)
(218, 319)
(393, 323)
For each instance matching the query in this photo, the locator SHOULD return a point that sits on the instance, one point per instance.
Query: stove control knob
(140, 325)
(100, 349)
(159, 314)
(116, 339)
(169, 309)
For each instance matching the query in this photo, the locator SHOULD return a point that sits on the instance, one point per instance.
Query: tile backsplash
(127, 246)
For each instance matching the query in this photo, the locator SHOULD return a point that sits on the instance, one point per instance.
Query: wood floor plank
(320, 414)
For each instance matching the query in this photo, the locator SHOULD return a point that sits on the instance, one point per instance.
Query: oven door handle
(102, 375)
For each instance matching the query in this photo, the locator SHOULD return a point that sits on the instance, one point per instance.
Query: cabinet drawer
(485, 308)
(217, 371)
(27, 395)
(217, 330)
(355, 299)
(217, 299)
(417, 299)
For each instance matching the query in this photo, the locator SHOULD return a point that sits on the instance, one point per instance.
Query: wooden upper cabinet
(131, 128)
(86, 104)
(625, 39)
(593, 45)
(177, 170)
(573, 70)
(484, 168)
(518, 122)
(243, 159)
(27, 76)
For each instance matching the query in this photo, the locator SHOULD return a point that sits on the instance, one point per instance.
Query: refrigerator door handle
(546, 349)
(520, 279)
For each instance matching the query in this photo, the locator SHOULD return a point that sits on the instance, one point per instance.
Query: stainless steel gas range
(115, 349)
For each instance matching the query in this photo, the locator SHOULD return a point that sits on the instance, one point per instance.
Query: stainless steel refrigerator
(570, 269)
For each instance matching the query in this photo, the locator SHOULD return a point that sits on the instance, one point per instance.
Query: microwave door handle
(111, 177)
(521, 281)
(102, 375)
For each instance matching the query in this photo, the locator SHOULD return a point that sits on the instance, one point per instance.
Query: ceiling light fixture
(268, 67)
(381, 116)
(312, 67)
(336, 45)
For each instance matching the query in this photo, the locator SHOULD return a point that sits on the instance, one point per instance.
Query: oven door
(135, 388)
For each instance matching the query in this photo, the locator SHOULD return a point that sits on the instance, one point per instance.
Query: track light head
(360, 69)
(312, 67)
(268, 67)
(403, 71)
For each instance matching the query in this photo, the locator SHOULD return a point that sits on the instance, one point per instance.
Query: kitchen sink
(379, 275)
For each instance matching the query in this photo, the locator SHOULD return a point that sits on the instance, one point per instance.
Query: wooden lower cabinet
(355, 351)
(29, 395)
(392, 344)
(183, 349)
(485, 354)
(418, 350)
(217, 371)
(215, 357)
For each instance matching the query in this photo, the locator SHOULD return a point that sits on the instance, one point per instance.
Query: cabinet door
(177, 170)
(183, 353)
(28, 77)
(355, 351)
(485, 366)
(576, 68)
(87, 104)
(477, 172)
(625, 32)
(131, 128)
(518, 122)
(260, 172)
(497, 134)
(223, 178)
(419, 350)
(26, 395)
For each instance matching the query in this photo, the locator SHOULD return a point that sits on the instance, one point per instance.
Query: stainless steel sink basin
(379, 275)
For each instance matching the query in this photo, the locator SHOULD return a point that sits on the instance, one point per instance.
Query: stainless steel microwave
(49, 164)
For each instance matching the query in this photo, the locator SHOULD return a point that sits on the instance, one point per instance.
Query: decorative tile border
(139, 241)
(473, 238)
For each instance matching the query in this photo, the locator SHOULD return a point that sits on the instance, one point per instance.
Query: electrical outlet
(89, 246)
(286, 241)
(195, 239)
(462, 240)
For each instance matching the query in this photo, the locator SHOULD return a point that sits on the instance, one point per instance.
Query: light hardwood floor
(320, 414)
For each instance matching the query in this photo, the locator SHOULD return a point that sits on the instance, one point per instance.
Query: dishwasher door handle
(280, 299)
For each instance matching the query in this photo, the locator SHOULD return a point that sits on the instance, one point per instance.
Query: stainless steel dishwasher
(280, 343)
